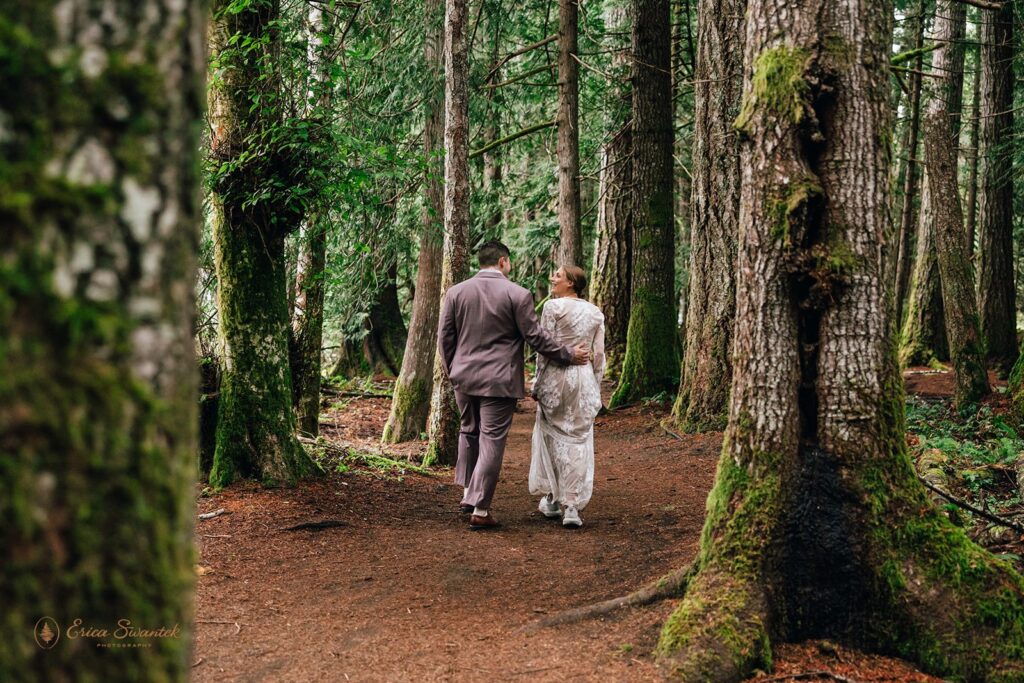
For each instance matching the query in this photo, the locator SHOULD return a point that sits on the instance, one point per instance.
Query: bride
(568, 399)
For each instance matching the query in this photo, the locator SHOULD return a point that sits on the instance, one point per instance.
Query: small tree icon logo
(47, 632)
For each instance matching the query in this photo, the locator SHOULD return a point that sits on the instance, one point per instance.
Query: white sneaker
(549, 508)
(571, 517)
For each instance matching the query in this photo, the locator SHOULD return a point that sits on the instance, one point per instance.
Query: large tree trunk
(570, 245)
(817, 526)
(715, 201)
(996, 292)
(384, 343)
(612, 265)
(98, 382)
(411, 402)
(256, 423)
(444, 414)
(955, 272)
(651, 363)
(923, 339)
(910, 176)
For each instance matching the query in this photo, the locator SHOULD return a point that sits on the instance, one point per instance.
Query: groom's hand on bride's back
(581, 355)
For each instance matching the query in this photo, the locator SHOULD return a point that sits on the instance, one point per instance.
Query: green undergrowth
(979, 450)
(351, 460)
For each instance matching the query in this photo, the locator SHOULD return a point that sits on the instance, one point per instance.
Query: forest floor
(394, 586)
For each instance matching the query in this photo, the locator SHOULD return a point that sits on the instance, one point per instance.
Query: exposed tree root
(719, 633)
(671, 585)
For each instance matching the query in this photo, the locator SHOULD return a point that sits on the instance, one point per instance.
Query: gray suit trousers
(482, 433)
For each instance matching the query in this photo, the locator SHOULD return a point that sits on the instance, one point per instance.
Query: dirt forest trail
(402, 590)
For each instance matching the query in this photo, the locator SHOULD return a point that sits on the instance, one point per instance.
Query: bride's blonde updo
(578, 278)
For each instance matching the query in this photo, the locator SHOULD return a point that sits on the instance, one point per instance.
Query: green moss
(779, 85)
(789, 210)
(409, 408)
(651, 364)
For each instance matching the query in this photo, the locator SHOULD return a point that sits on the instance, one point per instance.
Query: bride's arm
(547, 323)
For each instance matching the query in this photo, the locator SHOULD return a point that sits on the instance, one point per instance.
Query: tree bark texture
(996, 292)
(817, 526)
(570, 244)
(410, 405)
(612, 266)
(100, 116)
(444, 414)
(955, 272)
(651, 362)
(386, 337)
(923, 339)
(702, 401)
(908, 209)
(256, 423)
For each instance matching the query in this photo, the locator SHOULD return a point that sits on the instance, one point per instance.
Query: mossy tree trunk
(702, 401)
(256, 423)
(817, 526)
(570, 244)
(923, 339)
(444, 414)
(612, 264)
(996, 292)
(955, 272)
(651, 362)
(101, 118)
(410, 404)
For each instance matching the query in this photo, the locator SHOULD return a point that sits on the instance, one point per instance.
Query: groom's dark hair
(490, 252)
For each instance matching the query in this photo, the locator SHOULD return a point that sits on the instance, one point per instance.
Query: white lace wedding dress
(568, 399)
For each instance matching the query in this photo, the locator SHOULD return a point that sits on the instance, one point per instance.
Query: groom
(484, 321)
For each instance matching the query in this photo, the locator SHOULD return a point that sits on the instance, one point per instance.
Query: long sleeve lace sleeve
(547, 324)
(598, 353)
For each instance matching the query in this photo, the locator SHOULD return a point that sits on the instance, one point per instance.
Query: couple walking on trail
(484, 322)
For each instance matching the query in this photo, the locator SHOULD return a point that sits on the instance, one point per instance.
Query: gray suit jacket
(484, 321)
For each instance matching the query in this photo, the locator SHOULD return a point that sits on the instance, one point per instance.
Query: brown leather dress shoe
(489, 522)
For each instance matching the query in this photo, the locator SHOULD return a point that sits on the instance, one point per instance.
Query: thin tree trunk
(98, 380)
(910, 178)
(612, 265)
(307, 329)
(972, 177)
(651, 363)
(817, 526)
(308, 321)
(996, 292)
(255, 423)
(924, 340)
(444, 415)
(956, 274)
(410, 405)
(570, 245)
(702, 400)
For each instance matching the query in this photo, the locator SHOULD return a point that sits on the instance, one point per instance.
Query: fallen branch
(354, 394)
(978, 511)
(806, 675)
(314, 526)
(669, 586)
(215, 513)
(671, 433)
